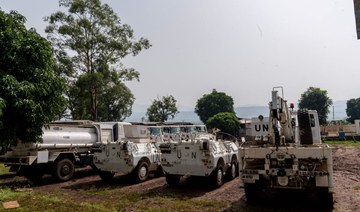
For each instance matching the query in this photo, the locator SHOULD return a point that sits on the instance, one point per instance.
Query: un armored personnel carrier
(198, 153)
(291, 156)
(136, 154)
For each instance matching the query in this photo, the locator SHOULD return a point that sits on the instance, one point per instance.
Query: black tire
(159, 172)
(325, 198)
(64, 170)
(217, 177)
(172, 180)
(106, 176)
(94, 167)
(252, 192)
(231, 172)
(141, 172)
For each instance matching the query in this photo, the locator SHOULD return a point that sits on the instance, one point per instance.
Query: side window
(312, 120)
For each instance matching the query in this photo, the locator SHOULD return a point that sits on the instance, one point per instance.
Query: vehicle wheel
(64, 170)
(105, 175)
(172, 180)
(141, 172)
(325, 198)
(159, 172)
(251, 193)
(232, 171)
(94, 167)
(217, 177)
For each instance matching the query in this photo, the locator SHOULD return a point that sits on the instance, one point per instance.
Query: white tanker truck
(198, 153)
(66, 145)
(290, 156)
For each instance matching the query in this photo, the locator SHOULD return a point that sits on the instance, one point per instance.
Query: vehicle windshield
(155, 131)
(174, 130)
(200, 129)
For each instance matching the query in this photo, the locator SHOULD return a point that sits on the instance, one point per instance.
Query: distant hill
(187, 113)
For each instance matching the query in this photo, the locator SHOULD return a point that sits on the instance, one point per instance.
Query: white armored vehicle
(290, 157)
(199, 154)
(135, 154)
(66, 144)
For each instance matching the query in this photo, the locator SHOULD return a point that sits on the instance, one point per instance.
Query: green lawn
(112, 200)
(97, 199)
(3, 169)
(344, 143)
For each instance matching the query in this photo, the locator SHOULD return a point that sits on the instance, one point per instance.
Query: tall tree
(162, 109)
(316, 99)
(353, 109)
(89, 42)
(211, 104)
(226, 122)
(31, 95)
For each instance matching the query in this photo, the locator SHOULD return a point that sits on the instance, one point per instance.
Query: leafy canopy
(353, 109)
(225, 121)
(162, 109)
(31, 95)
(316, 99)
(211, 104)
(89, 41)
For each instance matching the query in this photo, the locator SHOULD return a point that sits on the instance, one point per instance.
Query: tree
(353, 109)
(316, 99)
(2, 106)
(162, 109)
(89, 42)
(31, 95)
(211, 104)
(225, 121)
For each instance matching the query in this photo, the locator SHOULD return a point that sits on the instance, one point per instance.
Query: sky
(241, 47)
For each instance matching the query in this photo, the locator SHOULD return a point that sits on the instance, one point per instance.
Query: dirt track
(346, 180)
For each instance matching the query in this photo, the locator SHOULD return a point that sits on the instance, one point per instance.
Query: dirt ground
(346, 181)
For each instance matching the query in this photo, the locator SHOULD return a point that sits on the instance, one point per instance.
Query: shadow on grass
(118, 181)
(189, 187)
(7, 176)
(13, 180)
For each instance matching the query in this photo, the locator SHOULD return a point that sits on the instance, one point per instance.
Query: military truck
(65, 145)
(199, 154)
(136, 154)
(291, 156)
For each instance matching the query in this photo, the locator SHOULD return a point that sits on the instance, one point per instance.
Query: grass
(3, 169)
(99, 199)
(42, 201)
(7, 194)
(104, 199)
(344, 143)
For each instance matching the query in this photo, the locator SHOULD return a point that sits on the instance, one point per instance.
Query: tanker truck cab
(136, 155)
(199, 154)
(65, 145)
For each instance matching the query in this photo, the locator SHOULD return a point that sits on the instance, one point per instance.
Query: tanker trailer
(65, 145)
